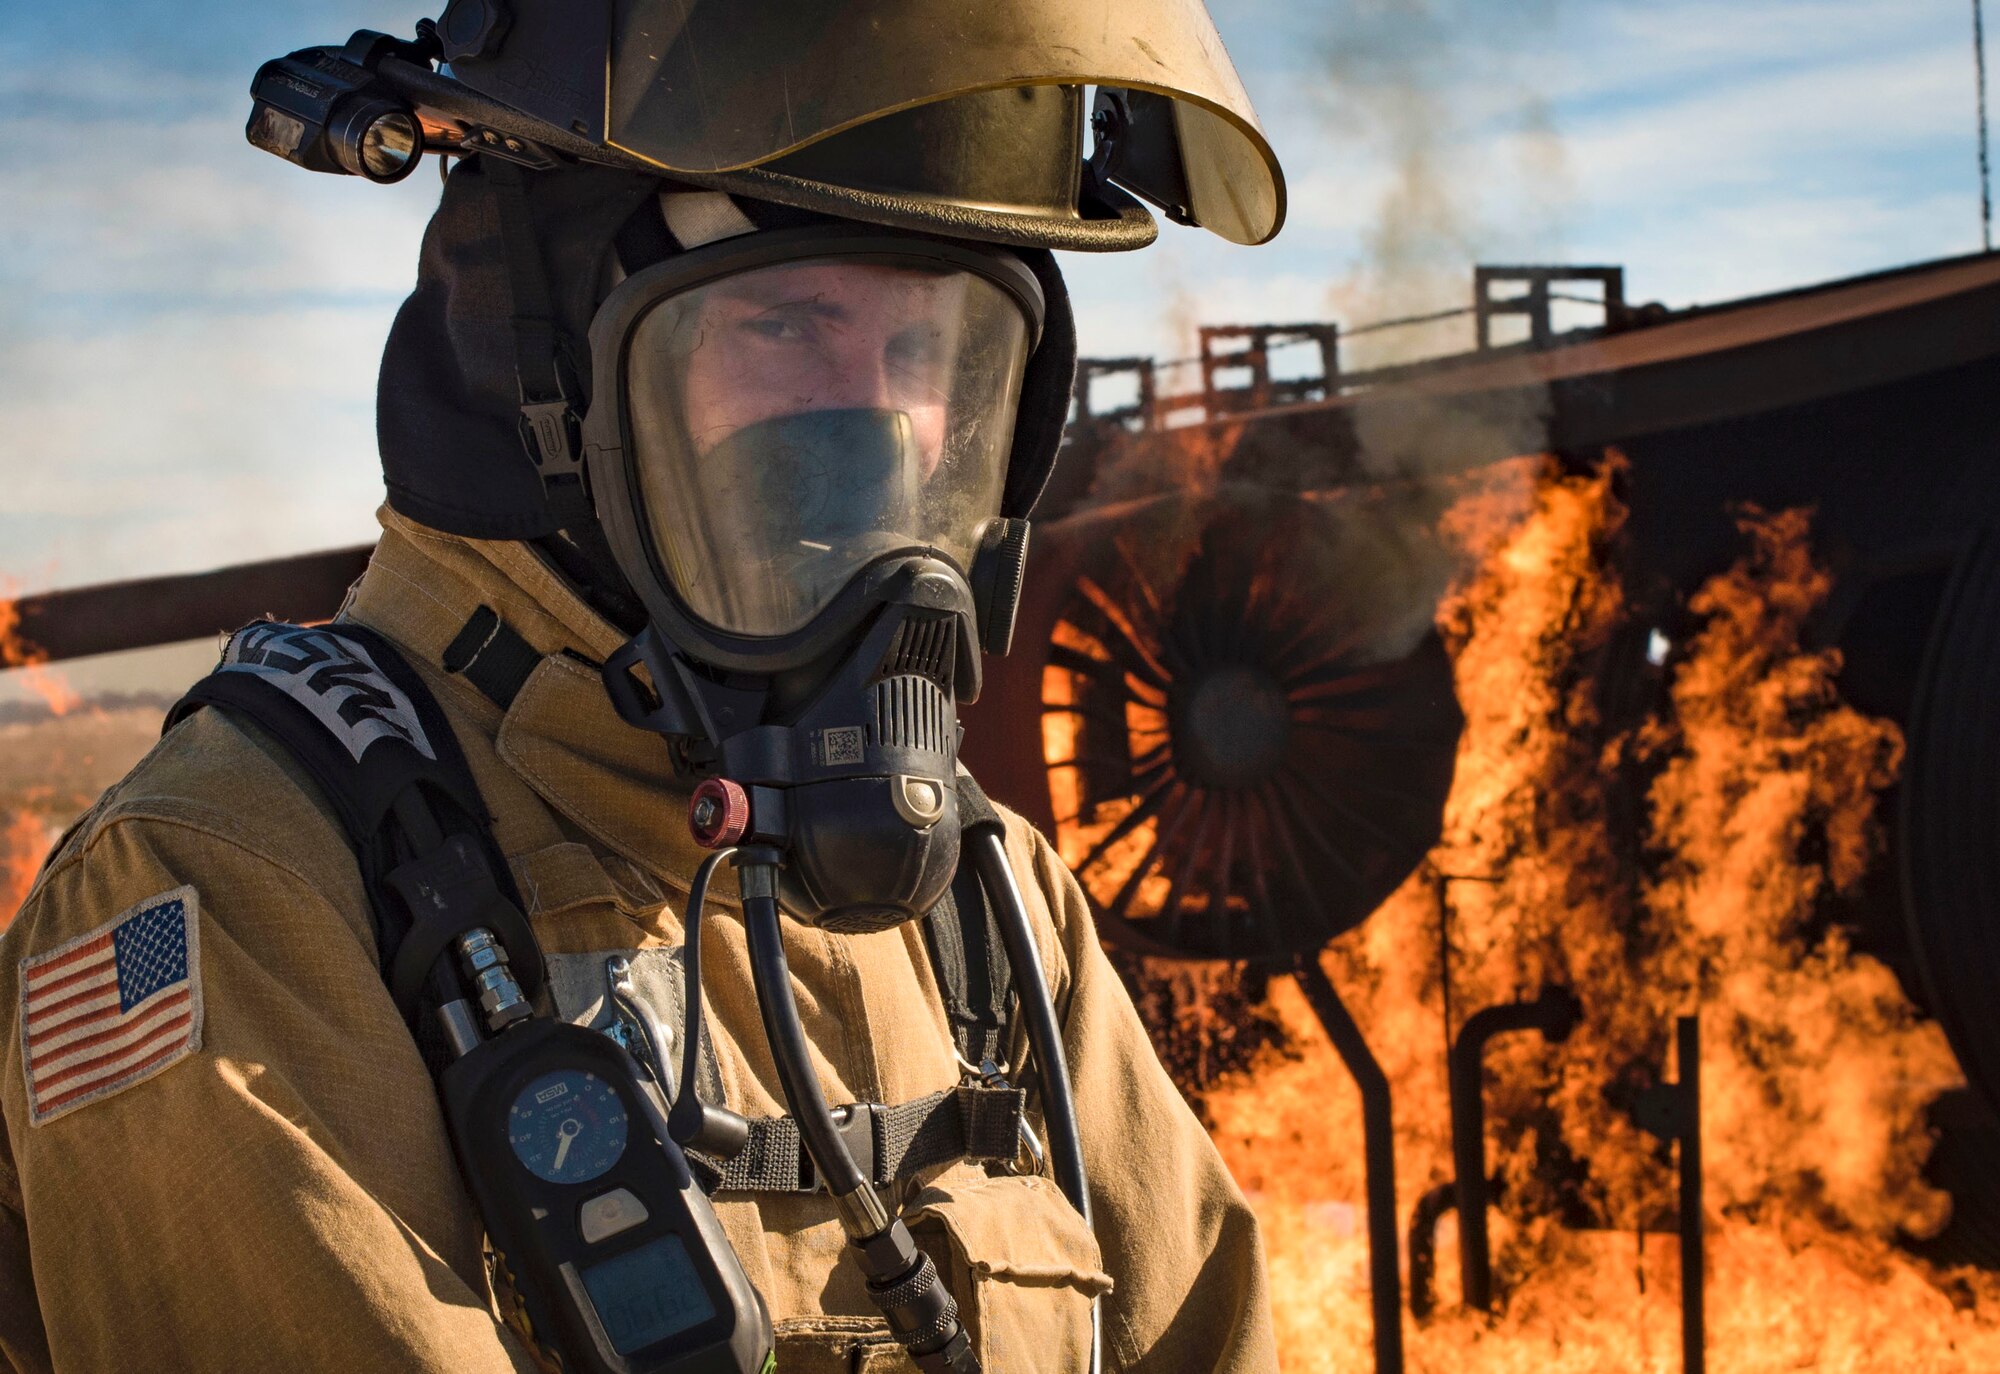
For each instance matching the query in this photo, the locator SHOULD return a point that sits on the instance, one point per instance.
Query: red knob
(718, 813)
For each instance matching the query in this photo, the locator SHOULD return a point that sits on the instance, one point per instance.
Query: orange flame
(15, 652)
(22, 844)
(1682, 865)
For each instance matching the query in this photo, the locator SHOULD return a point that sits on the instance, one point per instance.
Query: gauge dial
(567, 1126)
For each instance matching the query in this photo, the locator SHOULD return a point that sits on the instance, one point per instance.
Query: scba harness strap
(972, 1121)
(359, 720)
(345, 704)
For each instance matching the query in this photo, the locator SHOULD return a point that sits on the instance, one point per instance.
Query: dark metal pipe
(1378, 1134)
(1672, 1111)
(114, 616)
(1554, 1014)
(1694, 1273)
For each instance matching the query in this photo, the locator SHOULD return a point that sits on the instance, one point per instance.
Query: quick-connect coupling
(484, 962)
(904, 1284)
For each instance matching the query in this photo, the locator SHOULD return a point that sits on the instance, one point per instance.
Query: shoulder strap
(970, 963)
(890, 1145)
(359, 719)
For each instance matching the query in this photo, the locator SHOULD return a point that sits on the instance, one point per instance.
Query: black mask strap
(644, 238)
(551, 429)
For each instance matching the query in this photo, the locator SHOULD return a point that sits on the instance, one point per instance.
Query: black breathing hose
(685, 1120)
(1010, 913)
(817, 1131)
(996, 875)
(903, 1281)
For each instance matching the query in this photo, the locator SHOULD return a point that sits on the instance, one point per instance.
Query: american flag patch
(112, 1007)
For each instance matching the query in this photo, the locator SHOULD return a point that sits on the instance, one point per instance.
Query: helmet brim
(1107, 219)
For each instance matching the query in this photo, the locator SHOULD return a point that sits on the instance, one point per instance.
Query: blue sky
(189, 329)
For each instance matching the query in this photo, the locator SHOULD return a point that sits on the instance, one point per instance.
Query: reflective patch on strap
(332, 677)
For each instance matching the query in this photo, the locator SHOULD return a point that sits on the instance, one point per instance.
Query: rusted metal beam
(114, 616)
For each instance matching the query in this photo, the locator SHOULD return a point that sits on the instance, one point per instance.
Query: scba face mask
(792, 422)
(798, 450)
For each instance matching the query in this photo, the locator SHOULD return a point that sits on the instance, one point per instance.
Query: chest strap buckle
(889, 1143)
(860, 1126)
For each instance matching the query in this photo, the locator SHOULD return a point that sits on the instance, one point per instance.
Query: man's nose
(865, 378)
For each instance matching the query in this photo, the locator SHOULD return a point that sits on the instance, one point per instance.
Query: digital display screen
(647, 1294)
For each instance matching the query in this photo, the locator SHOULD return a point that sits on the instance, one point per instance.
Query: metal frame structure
(1539, 296)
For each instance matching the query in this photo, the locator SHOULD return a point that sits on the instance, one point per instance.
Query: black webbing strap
(973, 974)
(332, 697)
(970, 1121)
(551, 429)
(492, 656)
(644, 238)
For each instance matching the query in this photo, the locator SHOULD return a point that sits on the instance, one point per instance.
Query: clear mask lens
(792, 423)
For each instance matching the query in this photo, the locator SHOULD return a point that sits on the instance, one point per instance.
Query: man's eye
(776, 327)
(920, 348)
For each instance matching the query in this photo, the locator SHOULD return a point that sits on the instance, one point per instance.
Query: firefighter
(708, 353)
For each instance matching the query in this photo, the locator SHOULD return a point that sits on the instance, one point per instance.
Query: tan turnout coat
(284, 1196)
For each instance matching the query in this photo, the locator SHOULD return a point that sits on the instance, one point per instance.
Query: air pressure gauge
(567, 1126)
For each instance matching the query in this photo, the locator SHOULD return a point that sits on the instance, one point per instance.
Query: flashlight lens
(389, 144)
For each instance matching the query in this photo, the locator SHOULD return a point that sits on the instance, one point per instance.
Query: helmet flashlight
(376, 138)
(325, 109)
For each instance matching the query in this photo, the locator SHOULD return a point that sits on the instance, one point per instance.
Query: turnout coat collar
(560, 735)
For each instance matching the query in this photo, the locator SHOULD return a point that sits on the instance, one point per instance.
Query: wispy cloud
(1714, 147)
(1636, 51)
(1832, 123)
(189, 351)
(188, 440)
(141, 211)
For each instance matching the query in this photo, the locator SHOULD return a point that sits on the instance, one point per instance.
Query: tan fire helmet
(938, 115)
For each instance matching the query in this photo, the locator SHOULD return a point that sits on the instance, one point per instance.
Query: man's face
(824, 336)
(791, 422)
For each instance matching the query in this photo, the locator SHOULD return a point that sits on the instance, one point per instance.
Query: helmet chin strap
(550, 422)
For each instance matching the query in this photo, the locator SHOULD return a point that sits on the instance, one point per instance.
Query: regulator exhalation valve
(485, 964)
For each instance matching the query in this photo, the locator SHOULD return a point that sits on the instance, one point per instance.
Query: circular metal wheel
(1961, 1163)
(1248, 722)
(1950, 825)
